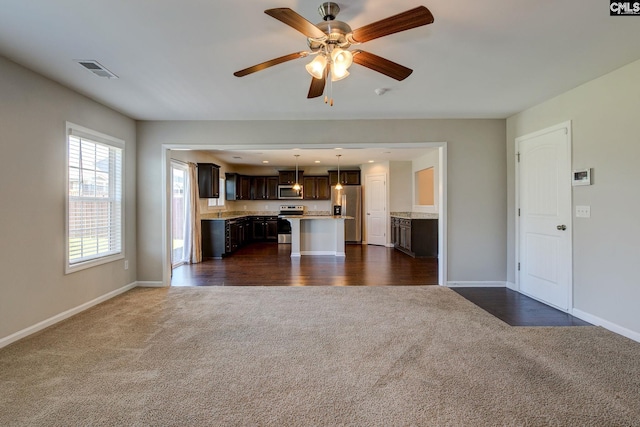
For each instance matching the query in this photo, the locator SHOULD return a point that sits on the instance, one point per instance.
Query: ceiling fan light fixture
(317, 66)
(342, 57)
(338, 73)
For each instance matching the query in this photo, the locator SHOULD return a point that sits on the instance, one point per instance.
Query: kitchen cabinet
(347, 177)
(289, 177)
(208, 181)
(238, 187)
(316, 188)
(264, 228)
(416, 237)
(264, 187)
(213, 238)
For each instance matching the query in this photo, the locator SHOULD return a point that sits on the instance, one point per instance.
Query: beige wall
(476, 181)
(400, 185)
(606, 137)
(431, 159)
(33, 112)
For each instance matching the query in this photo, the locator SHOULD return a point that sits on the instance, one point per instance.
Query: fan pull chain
(331, 91)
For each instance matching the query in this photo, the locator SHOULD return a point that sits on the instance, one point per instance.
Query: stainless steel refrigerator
(350, 201)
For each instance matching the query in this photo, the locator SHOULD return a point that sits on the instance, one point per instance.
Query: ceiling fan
(329, 42)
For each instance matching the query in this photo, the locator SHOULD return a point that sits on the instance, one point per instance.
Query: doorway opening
(441, 189)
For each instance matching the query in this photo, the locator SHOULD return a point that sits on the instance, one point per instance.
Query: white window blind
(94, 202)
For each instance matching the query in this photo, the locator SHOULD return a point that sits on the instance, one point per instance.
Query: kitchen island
(316, 235)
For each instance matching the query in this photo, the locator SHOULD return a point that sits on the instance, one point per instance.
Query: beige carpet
(314, 356)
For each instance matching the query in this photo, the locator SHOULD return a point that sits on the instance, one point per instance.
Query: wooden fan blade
(381, 65)
(317, 87)
(412, 18)
(295, 21)
(270, 63)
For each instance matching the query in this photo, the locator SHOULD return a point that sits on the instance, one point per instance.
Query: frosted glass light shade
(341, 58)
(317, 66)
(338, 73)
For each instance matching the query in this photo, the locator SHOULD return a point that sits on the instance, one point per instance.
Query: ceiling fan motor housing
(329, 10)
(336, 32)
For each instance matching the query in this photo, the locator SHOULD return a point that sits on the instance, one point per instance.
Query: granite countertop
(414, 215)
(314, 217)
(235, 214)
(222, 216)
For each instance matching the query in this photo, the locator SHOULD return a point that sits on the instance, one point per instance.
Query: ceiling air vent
(96, 68)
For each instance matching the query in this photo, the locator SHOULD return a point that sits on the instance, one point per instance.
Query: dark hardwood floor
(516, 309)
(269, 264)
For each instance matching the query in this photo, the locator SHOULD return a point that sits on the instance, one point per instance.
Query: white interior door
(544, 190)
(376, 195)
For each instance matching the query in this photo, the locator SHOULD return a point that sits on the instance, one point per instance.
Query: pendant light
(296, 186)
(338, 185)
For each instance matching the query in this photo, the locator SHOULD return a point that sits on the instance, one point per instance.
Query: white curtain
(193, 233)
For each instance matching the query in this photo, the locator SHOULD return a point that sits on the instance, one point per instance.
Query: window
(220, 200)
(94, 198)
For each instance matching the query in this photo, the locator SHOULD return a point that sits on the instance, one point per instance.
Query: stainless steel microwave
(287, 192)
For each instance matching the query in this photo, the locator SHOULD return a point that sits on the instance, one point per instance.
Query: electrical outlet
(126, 264)
(583, 211)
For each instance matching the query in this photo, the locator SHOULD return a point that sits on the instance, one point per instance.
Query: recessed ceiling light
(317, 161)
(371, 161)
(265, 161)
(338, 148)
(237, 157)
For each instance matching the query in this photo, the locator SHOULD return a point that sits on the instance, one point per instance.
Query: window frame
(74, 130)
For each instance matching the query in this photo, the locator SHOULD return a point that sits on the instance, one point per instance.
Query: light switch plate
(583, 211)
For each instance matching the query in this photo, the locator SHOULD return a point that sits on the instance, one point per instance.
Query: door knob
(561, 227)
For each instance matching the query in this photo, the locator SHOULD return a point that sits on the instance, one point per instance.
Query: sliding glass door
(179, 213)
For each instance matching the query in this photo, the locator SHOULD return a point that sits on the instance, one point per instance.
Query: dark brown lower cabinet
(264, 228)
(223, 237)
(415, 237)
(214, 242)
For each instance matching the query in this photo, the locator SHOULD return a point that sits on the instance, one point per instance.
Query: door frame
(166, 190)
(564, 125)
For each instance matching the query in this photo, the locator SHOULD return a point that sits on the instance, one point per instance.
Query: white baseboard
(476, 284)
(512, 286)
(332, 253)
(62, 316)
(150, 284)
(595, 320)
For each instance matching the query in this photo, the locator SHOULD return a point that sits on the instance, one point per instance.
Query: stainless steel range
(284, 226)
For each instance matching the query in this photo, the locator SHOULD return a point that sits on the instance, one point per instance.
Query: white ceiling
(175, 59)
(321, 158)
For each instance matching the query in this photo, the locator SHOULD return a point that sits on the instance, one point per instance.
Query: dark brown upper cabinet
(289, 177)
(347, 177)
(208, 181)
(316, 188)
(238, 187)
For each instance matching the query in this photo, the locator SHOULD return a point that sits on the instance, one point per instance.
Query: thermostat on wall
(581, 177)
